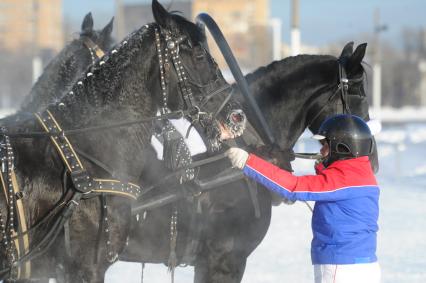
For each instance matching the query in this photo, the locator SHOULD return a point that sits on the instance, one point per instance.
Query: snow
(407, 113)
(6, 111)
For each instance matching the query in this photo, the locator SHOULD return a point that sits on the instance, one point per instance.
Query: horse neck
(114, 90)
(57, 77)
(286, 89)
(116, 87)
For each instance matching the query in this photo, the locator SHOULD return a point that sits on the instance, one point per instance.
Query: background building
(245, 23)
(31, 33)
(246, 26)
(132, 16)
(31, 24)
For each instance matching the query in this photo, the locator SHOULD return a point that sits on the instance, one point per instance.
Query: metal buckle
(82, 181)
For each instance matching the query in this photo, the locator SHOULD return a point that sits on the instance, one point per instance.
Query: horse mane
(286, 66)
(100, 87)
(59, 67)
(268, 82)
(60, 74)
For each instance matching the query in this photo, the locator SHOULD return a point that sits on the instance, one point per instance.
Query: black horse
(62, 72)
(217, 230)
(161, 67)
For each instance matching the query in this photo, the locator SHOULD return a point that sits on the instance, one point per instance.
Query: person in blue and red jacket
(346, 195)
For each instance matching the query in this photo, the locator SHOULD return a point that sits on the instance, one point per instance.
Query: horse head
(300, 92)
(205, 95)
(61, 73)
(350, 75)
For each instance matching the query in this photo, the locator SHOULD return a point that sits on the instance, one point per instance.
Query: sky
(322, 21)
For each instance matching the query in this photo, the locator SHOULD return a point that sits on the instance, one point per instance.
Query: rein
(172, 115)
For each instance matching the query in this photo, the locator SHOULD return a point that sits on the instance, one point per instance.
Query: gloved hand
(237, 156)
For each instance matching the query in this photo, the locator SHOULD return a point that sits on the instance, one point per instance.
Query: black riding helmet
(348, 136)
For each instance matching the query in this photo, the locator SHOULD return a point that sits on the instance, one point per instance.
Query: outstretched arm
(328, 185)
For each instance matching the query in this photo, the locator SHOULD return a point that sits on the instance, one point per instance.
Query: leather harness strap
(81, 179)
(16, 210)
(22, 242)
(93, 47)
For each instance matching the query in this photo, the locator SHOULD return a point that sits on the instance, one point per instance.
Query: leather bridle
(95, 51)
(342, 89)
(169, 58)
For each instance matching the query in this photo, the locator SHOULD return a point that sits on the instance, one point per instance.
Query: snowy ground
(283, 256)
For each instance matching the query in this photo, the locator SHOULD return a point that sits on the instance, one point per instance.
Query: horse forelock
(188, 28)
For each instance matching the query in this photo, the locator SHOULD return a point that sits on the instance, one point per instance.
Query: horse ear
(359, 52)
(347, 50)
(354, 62)
(161, 16)
(87, 25)
(358, 55)
(107, 30)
